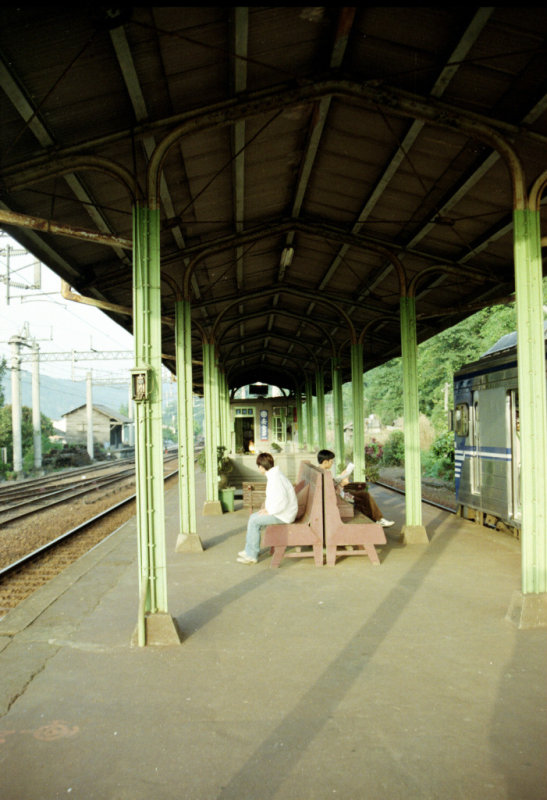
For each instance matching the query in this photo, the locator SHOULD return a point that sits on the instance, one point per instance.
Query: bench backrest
(310, 482)
(331, 509)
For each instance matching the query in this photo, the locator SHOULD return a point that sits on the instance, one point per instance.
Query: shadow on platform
(298, 683)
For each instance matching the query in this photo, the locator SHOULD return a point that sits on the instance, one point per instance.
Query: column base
(160, 630)
(188, 543)
(528, 610)
(414, 534)
(211, 508)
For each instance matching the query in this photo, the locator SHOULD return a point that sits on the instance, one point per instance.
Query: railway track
(425, 499)
(34, 496)
(12, 491)
(22, 576)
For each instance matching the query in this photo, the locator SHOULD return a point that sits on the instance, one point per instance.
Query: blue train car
(487, 442)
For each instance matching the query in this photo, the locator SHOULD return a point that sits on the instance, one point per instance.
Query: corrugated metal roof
(351, 134)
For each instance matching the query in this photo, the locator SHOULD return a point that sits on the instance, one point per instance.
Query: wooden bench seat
(361, 535)
(346, 509)
(307, 528)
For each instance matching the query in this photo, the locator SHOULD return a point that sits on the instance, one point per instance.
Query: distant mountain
(58, 395)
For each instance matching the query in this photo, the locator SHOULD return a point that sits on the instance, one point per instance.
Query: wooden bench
(346, 509)
(254, 494)
(361, 535)
(307, 528)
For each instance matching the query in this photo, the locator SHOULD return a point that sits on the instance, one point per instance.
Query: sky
(58, 325)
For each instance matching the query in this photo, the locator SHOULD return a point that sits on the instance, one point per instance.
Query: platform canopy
(312, 165)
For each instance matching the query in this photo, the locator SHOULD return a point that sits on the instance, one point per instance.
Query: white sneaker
(386, 523)
(243, 554)
(244, 559)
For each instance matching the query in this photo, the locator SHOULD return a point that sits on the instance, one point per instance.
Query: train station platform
(407, 680)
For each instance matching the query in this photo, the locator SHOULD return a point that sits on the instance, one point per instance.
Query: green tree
(383, 394)
(438, 359)
(393, 453)
(27, 433)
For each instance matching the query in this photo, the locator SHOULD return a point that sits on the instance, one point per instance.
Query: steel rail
(5, 571)
(424, 500)
(62, 494)
(35, 504)
(9, 488)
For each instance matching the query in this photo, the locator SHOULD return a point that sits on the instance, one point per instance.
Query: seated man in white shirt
(280, 507)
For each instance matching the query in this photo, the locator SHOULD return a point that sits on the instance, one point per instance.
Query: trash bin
(227, 498)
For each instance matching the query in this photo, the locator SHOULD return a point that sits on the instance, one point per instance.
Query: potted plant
(225, 492)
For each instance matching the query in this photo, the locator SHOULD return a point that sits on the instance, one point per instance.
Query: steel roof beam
(132, 83)
(29, 114)
(240, 23)
(232, 344)
(283, 312)
(345, 23)
(466, 42)
(397, 101)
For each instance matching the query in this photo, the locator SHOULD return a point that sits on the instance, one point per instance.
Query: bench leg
(277, 557)
(369, 549)
(372, 554)
(318, 555)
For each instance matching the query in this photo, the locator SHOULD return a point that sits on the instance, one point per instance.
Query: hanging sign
(263, 417)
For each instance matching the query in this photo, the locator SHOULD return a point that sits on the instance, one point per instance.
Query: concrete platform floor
(406, 680)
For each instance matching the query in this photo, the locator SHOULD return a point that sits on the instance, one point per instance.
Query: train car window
(461, 420)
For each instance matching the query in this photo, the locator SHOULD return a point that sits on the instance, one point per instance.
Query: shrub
(438, 462)
(373, 459)
(394, 450)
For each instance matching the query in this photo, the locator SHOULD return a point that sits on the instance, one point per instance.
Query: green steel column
(217, 406)
(338, 409)
(299, 420)
(321, 421)
(148, 430)
(532, 408)
(187, 540)
(221, 414)
(226, 415)
(210, 396)
(309, 414)
(229, 421)
(358, 411)
(413, 530)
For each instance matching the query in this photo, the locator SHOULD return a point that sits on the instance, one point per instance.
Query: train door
(474, 443)
(514, 437)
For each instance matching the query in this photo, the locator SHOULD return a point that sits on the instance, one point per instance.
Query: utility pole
(8, 253)
(16, 343)
(89, 410)
(36, 417)
(16, 411)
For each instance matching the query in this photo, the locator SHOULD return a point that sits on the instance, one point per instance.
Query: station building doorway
(244, 430)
